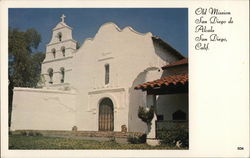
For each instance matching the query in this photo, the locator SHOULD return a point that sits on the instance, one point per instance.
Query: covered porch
(169, 97)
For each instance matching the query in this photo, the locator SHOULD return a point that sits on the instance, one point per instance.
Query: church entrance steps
(78, 134)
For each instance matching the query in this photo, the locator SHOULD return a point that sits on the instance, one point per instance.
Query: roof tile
(168, 80)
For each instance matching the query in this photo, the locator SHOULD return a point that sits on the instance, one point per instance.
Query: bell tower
(57, 65)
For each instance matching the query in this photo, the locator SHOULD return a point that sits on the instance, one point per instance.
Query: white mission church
(100, 86)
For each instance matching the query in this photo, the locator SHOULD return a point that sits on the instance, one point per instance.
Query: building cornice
(42, 90)
(107, 90)
(64, 58)
(50, 44)
(62, 28)
(56, 50)
(58, 72)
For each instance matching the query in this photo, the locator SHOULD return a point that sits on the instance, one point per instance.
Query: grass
(42, 142)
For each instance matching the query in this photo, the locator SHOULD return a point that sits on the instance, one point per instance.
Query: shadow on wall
(137, 98)
(168, 104)
(161, 51)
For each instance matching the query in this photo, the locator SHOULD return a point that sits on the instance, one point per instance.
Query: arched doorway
(106, 115)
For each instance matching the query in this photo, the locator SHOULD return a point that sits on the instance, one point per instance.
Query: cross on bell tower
(63, 17)
(59, 54)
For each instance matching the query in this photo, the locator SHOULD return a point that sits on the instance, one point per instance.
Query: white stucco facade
(108, 65)
(132, 60)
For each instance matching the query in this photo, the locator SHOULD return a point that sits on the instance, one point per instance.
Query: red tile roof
(177, 63)
(165, 81)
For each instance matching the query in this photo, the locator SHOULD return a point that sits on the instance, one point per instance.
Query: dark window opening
(160, 117)
(50, 72)
(107, 74)
(54, 53)
(62, 75)
(179, 115)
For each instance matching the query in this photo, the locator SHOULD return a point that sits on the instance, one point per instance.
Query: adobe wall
(41, 109)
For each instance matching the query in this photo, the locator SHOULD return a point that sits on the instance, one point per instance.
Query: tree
(146, 115)
(24, 61)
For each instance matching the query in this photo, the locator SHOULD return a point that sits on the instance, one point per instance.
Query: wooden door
(106, 115)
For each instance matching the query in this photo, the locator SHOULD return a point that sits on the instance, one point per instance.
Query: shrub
(31, 134)
(146, 115)
(170, 137)
(137, 139)
(112, 139)
(38, 134)
(24, 133)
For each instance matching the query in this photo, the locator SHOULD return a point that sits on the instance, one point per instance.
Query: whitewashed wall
(176, 70)
(132, 59)
(57, 76)
(59, 61)
(40, 109)
(165, 58)
(64, 29)
(89, 114)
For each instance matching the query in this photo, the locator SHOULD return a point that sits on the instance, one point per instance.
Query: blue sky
(171, 24)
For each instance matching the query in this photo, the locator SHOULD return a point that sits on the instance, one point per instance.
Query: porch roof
(168, 83)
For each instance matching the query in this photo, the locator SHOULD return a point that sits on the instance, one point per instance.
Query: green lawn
(41, 142)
